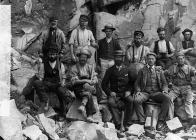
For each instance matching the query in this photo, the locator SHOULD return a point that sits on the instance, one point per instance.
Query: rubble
(174, 124)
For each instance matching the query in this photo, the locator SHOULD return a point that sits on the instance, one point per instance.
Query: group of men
(160, 79)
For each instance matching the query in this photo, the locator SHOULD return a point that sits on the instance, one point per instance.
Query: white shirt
(162, 46)
(85, 37)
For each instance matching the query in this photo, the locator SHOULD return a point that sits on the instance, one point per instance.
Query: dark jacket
(140, 83)
(116, 81)
(190, 44)
(106, 50)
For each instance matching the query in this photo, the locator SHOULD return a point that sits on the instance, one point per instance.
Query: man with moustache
(83, 80)
(163, 49)
(151, 84)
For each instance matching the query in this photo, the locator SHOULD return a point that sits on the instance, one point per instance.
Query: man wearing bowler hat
(53, 35)
(117, 87)
(107, 47)
(151, 83)
(81, 37)
(136, 51)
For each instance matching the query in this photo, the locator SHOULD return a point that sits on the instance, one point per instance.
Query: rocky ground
(30, 17)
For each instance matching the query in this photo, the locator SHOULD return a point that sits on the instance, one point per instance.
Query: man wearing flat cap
(81, 37)
(163, 49)
(151, 84)
(117, 87)
(136, 51)
(83, 80)
(187, 45)
(53, 35)
(107, 47)
(179, 79)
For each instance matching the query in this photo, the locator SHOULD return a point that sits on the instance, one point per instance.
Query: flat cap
(136, 33)
(151, 53)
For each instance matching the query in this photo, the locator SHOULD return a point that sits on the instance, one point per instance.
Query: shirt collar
(52, 64)
(153, 67)
(119, 67)
(108, 40)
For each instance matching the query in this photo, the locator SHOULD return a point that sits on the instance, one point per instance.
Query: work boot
(160, 126)
(82, 110)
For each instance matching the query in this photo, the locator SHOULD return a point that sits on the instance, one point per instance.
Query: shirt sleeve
(63, 41)
(192, 71)
(171, 47)
(63, 71)
(128, 54)
(92, 39)
(73, 37)
(152, 47)
(74, 75)
(40, 70)
(94, 75)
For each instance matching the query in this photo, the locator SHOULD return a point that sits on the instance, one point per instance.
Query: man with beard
(117, 87)
(187, 45)
(81, 37)
(53, 35)
(163, 49)
(179, 79)
(151, 83)
(136, 52)
(51, 76)
(83, 80)
(106, 49)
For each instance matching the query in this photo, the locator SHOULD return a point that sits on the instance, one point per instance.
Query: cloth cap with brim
(138, 33)
(151, 53)
(53, 18)
(160, 29)
(179, 54)
(84, 18)
(85, 51)
(187, 30)
(108, 26)
(119, 53)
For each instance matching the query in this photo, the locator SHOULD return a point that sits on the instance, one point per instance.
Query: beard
(137, 43)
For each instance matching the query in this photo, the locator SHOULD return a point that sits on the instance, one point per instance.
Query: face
(108, 33)
(53, 24)
(151, 60)
(187, 35)
(83, 24)
(180, 60)
(83, 59)
(118, 60)
(138, 40)
(161, 35)
(52, 56)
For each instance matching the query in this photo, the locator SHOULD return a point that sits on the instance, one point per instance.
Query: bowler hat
(151, 53)
(136, 33)
(53, 18)
(160, 29)
(108, 26)
(84, 18)
(187, 30)
(119, 53)
(84, 51)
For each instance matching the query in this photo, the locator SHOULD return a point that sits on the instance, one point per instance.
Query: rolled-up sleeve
(74, 75)
(73, 37)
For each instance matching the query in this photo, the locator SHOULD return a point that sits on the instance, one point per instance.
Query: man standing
(53, 35)
(81, 37)
(106, 49)
(163, 49)
(187, 45)
(83, 79)
(51, 77)
(151, 83)
(116, 85)
(136, 52)
(179, 78)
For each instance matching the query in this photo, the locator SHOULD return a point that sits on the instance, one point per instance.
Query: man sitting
(51, 78)
(83, 80)
(179, 77)
(116, 84)
(151, 83)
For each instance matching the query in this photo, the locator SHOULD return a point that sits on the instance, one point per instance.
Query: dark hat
(160, 29)
(140, 33)
(84, 51)
(187, 30)
(53, 48)
(179, 54)
(151, 53)
(119, 53)
(84, 18)
(53, 18)
(108, 26)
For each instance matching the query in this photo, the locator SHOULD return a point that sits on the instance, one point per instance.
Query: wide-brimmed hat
(84, 18)
(136, 33)
(187, 30)
(151, 53)
(108, 26)
(119, 53)
(84, 51)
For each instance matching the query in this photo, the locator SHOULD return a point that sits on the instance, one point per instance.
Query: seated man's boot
(82, 110)
(160, 126)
